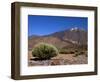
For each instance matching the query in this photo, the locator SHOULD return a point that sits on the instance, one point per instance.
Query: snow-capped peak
(74, 29)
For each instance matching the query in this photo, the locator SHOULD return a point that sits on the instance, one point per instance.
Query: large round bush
(44, 51)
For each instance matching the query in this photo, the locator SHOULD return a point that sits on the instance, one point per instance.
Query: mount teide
(69, 37)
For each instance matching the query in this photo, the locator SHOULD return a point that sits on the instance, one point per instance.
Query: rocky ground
(61, 59)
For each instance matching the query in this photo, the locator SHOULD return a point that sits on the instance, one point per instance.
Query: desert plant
(66, 51)
(44, 51)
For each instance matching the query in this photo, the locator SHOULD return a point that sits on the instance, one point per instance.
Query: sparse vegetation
(44, 51)
(71, 45)
(79, 50)
(79, 53)
(66, 51)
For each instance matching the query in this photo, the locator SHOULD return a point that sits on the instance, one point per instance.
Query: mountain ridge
(67, 37)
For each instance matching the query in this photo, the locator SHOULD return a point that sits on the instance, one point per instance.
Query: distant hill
(69, 37)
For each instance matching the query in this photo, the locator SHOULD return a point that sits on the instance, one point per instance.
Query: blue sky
(44, 25)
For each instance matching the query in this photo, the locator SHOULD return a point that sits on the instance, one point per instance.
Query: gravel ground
(61, 59)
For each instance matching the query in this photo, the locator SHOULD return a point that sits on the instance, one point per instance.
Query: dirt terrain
(61, 59)
(71, 44)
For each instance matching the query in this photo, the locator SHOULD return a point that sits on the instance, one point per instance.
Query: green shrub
(44, 51)
(62, 51)
(66, 51)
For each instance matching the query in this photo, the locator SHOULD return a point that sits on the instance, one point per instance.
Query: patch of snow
(74, 29)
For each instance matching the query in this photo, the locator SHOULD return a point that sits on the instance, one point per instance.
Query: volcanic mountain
(68, 37)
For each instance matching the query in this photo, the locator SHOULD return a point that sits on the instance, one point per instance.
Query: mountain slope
(69, 37)
(78, 36)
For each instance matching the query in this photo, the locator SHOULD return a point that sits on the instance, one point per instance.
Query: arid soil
(61, 59)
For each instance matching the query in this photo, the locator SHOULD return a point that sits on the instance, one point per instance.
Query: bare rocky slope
(69, 37)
